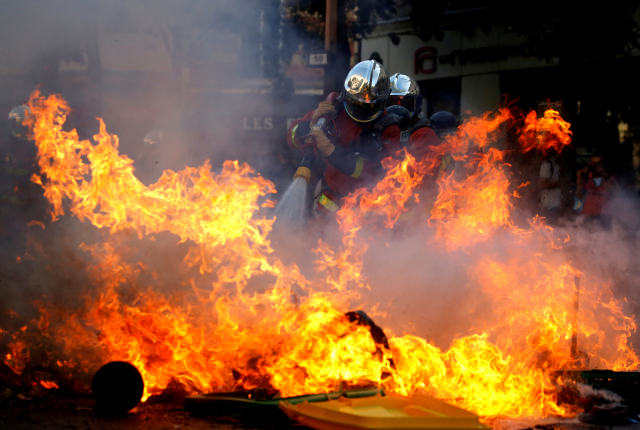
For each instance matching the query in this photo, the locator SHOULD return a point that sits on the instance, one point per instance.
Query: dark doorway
(533, 85)
(441, 95)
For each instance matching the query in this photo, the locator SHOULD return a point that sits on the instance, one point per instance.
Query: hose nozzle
(303, 172)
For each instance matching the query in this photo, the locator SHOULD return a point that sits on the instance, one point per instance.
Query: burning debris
(234, 325)
(117, 387)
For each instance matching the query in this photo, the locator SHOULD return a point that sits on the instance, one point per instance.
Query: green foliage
(304, 23)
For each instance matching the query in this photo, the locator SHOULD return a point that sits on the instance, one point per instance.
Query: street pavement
(51, 413)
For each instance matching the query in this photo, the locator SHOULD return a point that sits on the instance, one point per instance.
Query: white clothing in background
(550, 198)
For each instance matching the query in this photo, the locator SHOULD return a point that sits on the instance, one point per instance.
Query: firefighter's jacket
(346, 169)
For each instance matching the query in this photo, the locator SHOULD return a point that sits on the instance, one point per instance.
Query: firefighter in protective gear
(425, 132)
(358, 134)
(405, 92)
(445, 124)
(404, 117)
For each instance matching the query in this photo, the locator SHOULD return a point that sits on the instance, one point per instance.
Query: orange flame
(549, 132)
(221, 337)
(49, 384)
(19, 357)
(507, 370)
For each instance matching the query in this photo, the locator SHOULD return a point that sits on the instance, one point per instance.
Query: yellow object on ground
(381, 413)
(303, 172)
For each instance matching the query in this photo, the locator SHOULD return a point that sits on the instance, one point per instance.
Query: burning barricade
(241, 319)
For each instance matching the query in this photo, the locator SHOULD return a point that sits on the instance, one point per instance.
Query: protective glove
(324, 108)
(323, 143)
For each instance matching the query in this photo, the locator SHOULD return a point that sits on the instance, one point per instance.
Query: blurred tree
(574, 34)
(358, 17)
(271, 30)
(427, 17)
(304, 23)
(189, 28)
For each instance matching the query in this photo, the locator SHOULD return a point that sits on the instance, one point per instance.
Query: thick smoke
(178, 82)
(416, 287)
(421, 289)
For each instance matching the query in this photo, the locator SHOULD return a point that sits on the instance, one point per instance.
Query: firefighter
(424, 133)
(445, 124)
(358, 134)
(405, 92)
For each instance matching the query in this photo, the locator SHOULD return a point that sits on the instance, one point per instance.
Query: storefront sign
(426, 60)
(425, 57)
(272, 124)
(257, 123)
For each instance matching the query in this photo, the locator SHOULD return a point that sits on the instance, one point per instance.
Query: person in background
(549, 186)
(597, 188)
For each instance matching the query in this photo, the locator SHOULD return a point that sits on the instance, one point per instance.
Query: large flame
(292, 336)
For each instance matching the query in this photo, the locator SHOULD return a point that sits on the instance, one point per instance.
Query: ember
(224, 338)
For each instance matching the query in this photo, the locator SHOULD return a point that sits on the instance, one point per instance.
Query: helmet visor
(362, 111)
(406, 102)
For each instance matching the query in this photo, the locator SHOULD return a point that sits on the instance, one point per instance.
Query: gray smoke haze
(199, 80)
(423, 290)
(192, 72)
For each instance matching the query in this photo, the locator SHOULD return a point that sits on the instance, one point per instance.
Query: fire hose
(308, 144)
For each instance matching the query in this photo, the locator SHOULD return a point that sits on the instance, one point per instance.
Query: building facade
(467, 71)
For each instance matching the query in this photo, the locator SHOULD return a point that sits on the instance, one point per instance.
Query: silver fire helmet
(17, 116)
(366, 90)
(405, 92)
